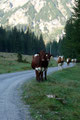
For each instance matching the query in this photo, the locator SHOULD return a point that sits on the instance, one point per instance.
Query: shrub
(19, 56)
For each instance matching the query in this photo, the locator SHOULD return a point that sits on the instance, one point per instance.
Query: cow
(68, 61)
(60, 61)
(38, 62)
(74, 60)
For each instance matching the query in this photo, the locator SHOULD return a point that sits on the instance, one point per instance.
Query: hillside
(46, 16)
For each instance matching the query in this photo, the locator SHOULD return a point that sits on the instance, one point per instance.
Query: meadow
(58, 98)
(9, 63)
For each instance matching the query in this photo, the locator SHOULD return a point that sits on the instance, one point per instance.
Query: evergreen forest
(15, 41)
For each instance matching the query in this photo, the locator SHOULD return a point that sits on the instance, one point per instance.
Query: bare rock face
(46, 16)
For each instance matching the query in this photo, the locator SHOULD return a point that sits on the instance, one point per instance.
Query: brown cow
(38, 63)
(60, 61)
(68, 61)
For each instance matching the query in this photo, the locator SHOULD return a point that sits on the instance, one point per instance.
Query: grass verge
(58, 98)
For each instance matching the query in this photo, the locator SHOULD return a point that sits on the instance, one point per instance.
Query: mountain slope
(46, 16)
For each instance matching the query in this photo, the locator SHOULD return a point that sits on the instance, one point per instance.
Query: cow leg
(61, 67)
(45, 74)
(37, 76)
(68, 64)
(41, 75)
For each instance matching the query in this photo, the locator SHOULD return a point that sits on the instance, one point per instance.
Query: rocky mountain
(46, 16)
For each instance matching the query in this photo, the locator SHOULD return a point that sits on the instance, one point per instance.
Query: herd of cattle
(40, 63)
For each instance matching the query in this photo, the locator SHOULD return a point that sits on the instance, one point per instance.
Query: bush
(19, 56)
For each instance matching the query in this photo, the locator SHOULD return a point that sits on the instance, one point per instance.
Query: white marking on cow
(75, 60)
(72, 60)
(36, 55)
(38, 68)
(67, 59)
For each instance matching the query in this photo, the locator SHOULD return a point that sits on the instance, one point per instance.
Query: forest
(15, 41)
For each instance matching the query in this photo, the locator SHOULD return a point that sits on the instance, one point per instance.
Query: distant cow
(68, 61)
(74, 60)
(40, 63)
(60, 61)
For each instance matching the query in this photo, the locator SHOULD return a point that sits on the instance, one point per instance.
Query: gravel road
(11, 107)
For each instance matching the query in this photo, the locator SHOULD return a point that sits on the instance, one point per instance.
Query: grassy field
(58, 98)
(9, 63)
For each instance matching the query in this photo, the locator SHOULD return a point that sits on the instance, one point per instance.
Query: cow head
(42, 56)
(48, 56)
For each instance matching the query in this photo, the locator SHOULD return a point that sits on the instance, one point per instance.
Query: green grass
(63, 84)
(52, 63)
(8, 63)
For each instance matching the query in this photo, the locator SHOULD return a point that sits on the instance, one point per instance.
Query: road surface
(11, 106)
